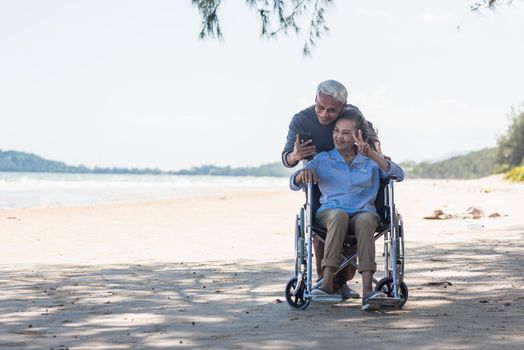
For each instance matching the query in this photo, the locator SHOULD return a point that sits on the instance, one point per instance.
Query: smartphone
(304, 137)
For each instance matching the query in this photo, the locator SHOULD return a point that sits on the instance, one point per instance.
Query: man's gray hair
(333, 88)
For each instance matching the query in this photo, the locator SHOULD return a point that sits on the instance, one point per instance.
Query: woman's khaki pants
(337, 222)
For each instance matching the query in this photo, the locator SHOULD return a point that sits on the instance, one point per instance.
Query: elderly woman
(348, 177)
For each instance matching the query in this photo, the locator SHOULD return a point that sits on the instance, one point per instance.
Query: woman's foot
(347, 293)
(321, 292)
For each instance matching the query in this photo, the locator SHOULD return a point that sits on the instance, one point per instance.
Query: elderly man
(349, 179)
(319, 121)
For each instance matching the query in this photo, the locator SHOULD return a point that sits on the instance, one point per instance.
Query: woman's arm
(305, 176)
(384, 164)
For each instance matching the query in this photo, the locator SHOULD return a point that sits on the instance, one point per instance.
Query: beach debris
(11, 218)
(439, 283)
(486, 190)
(438, 214)
(471, 213)
(278, 301)
(474, 213)
(483, 301)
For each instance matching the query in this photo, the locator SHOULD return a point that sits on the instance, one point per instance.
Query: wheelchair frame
(299, 287)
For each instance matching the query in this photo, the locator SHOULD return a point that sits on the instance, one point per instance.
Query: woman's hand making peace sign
(363, 147)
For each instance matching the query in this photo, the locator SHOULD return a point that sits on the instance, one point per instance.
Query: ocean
(28, 190)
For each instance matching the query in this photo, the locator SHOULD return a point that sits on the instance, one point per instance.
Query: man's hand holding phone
(304, 148)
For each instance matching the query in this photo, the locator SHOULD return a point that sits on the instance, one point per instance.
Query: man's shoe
(371, 301)
(347, 293)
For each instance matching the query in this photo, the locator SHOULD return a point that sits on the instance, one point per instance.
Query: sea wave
(51, 189)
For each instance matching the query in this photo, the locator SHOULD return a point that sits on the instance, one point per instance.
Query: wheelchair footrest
(386, 302)
(335, 298)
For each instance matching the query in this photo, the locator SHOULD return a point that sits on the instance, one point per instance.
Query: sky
(129, 84)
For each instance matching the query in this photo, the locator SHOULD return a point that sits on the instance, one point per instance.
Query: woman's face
(343, 134)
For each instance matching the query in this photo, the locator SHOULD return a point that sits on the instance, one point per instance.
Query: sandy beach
(209, 272)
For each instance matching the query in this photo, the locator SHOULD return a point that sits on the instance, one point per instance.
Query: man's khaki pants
(337, 222)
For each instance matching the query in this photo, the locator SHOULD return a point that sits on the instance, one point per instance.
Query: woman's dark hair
(352, 114)
(369, 134)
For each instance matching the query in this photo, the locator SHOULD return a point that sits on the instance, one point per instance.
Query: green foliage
(489, 4)
(472, 165)
(516, 174)
(289, 15)
(276, 17)
(511, 145)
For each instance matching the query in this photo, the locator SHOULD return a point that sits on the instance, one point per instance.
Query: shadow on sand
(464, 297)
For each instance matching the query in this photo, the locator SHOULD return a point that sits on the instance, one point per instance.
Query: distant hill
(472, 165)
(469, 166)
(27, 162)
(13, 161)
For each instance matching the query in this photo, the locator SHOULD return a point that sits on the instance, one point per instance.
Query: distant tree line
(14, 161)
(271, 169)
(507, 157)
(28, 162)
(469, 166)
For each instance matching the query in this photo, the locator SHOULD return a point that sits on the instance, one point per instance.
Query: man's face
(343, 134)
(327, 108)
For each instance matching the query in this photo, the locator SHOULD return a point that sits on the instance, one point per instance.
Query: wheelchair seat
(351, 240)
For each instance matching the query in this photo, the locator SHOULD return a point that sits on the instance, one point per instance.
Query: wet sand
(209, 272)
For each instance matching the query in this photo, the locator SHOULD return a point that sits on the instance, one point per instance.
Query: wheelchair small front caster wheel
(295, 298)
(386, 285)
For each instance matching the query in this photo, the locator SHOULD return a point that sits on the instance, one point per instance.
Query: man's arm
(290, 145)
(294, 151)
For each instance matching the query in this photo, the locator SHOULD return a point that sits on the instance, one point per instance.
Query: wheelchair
(298, 288)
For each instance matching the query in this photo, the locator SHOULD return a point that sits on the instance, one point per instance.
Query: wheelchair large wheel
(386, 285)
(297, 300)
(299, 241)
(401, 255)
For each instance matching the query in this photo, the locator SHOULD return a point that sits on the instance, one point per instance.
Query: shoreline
(209, 272)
